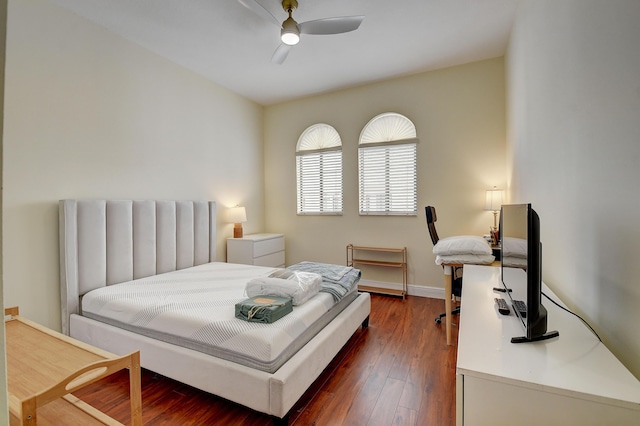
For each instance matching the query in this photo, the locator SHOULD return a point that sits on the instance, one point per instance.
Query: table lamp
(493, 202)
(237, 215)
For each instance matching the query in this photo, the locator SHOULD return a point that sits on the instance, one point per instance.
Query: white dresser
(257, 249)
(570, 380)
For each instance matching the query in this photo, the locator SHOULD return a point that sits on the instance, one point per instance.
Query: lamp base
(495, 235)
(237, 230)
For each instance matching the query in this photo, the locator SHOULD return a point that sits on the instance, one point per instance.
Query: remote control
(521, 307)
(503, 308)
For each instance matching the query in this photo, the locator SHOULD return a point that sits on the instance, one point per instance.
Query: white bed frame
(106, 242)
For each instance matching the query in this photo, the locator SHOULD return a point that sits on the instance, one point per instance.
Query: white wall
(459, 115)
(574, 146)
(4, 417)
(88, 114)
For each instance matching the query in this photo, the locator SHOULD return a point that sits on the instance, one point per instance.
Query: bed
(133, 242)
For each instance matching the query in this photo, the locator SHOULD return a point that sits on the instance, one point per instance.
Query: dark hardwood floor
(398, 371)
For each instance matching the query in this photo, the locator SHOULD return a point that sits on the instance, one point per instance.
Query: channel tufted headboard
(104, 242)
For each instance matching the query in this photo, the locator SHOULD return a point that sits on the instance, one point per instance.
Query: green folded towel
(266, 309)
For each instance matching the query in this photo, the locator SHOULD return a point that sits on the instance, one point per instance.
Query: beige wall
(574, 132)
(88, 114)
(459, 115)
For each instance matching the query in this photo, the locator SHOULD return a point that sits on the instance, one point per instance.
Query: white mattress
(195, 308)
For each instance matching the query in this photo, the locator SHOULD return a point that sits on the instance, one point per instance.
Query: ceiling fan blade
(259, 10)
(281, 53)
(326, 26)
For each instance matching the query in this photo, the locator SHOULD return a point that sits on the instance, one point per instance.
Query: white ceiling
(230, 45)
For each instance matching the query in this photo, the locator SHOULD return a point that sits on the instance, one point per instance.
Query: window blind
(387, 179)
(319, 182)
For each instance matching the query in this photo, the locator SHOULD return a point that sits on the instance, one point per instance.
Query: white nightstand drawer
(264, 247)
(273, 259)
(257, 249)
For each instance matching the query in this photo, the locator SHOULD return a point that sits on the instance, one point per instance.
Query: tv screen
(521, 261)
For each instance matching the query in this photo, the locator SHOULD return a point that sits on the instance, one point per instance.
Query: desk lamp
(237, 215)
(493, 202)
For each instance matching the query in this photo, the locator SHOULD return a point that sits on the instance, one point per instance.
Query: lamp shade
(493, 199)
(237, 215)
(290, 33)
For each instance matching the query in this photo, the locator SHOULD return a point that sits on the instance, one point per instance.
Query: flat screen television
(521, 269)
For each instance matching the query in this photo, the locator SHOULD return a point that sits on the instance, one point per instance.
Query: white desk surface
(574, 364)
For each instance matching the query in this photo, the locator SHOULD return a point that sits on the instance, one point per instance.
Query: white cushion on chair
(462, 259)
(464, 244)
(514, 262)
(514, 247)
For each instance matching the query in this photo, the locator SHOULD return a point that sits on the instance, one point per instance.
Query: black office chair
(456, 277)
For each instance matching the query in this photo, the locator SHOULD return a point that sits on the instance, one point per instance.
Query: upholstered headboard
(104, 242)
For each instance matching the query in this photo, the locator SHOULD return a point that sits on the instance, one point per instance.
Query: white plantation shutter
(320, 182)
(319, 171)
(387, 166)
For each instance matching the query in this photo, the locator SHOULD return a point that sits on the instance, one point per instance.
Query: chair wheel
(438, 320)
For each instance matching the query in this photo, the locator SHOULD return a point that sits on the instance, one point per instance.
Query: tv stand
(545, 336)
(573, 380)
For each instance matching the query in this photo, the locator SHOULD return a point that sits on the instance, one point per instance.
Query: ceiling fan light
(290, 38)
(290, 33)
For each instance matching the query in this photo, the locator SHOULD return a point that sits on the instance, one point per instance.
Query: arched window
(319, 171)
(387, 166)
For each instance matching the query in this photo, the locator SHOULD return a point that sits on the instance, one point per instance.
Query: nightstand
(257, 249)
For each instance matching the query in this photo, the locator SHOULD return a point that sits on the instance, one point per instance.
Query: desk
(569, 380)
(448, 295)
(44, 367)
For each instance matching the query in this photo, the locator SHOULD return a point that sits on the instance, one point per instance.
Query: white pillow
(514, 247)
(464, 244)
(514, 262)
(477, 259)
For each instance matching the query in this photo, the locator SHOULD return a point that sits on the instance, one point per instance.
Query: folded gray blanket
(337, 280)
(264, 309)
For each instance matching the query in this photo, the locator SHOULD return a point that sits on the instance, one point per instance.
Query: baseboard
(424, 291)
(412, 290)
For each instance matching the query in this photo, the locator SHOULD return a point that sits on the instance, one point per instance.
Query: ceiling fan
(290, 30)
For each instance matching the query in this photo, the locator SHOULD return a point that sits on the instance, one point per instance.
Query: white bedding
(194, 308)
